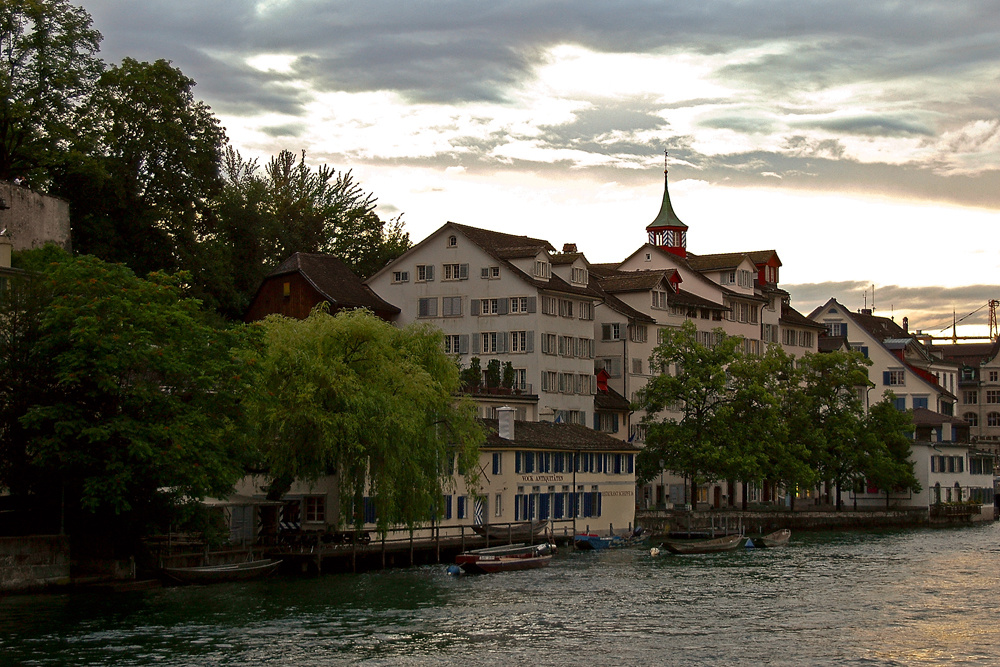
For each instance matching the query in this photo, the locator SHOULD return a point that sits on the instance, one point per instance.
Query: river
(907, 597)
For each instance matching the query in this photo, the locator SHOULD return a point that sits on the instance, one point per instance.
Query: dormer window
(542, 269)
(579, 276)
(452, 241)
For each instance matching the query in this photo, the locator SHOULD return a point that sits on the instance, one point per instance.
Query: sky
(860, 140)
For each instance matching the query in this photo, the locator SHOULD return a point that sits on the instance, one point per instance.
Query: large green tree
(48, 67)
(139, 396)
(373, 402)
(886, 448)
(143, 193)
(691, 438)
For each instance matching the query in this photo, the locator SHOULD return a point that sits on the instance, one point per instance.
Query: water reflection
(869, 598)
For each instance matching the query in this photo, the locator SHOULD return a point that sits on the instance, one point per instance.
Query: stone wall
(34, 562)
(34, 219)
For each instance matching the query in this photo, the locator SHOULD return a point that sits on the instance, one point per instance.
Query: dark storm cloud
(928, 69)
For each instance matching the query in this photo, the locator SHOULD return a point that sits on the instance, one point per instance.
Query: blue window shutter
(885, 378)
(614, 422)
(517, 462)
(597, 422)
(901, 403)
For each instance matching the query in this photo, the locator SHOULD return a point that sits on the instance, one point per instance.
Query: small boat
(778, 538)
(505, 559)
(513, 531)
(210, 574)
(595, 542)
(710, 546)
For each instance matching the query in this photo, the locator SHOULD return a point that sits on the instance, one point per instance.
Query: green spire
(666, 217)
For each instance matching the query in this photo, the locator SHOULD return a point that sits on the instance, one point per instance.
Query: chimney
(569, 247)
(906, 324)
(505, 416)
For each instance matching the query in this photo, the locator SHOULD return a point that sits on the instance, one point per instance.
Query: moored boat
(778, 538)
(210, 574)
(512, 531)
(505, 559)
(715, 545)
(595, 542)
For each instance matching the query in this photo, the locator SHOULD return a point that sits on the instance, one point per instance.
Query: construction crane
(954, 337)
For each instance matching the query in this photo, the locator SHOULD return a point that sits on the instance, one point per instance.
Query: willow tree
(372, 402)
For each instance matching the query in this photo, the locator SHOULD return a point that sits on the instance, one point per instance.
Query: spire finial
(664, 160)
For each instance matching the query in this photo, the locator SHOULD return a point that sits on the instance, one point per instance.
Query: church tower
(667, 231)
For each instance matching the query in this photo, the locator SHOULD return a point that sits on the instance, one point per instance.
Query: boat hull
(778, 538)
(211, 574)
(504, 559)
(717, 545)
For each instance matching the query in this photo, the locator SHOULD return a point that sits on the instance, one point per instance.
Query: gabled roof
(925, 417)
(635, 281)
(498, 242)
(832, 343)
(547, 435)
(729, 260)
(792, 317)
(611, 400)
(333, 280)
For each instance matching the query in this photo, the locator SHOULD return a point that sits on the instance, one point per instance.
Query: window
(452, 241)
(315, 509)
(612, 365)
(585, 348)
(463, 507)
(518, 341)
(836, 328)
(771, 333)
(451, 306)
(745, 278)
(586, 310)
(993, 395)
(519, 304)
(549, 382)
(805, 339)
(970, 397)
(497, 463)
(636, 366)
(728, 277)
(611, 331)
(659, 299)
(607, 422)
(566, 345)
(549, 305)
(993, 419)
(789, 337)
(994, 375)
(543, 269)
(549, 343)
(579, 276)
(452, 344)
(489, 306)
(400, 276)
(427, 307)
(972, 418)
(286, 289)
(456, 272)
(894, 378)
(919, 402)
(565, 308)
(638, 333)
(566, 383)
(425, 272)
(489, 272)
(489, 342)
(498, 505)
(520, 382)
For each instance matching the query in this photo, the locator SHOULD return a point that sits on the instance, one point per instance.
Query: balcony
(483, 390)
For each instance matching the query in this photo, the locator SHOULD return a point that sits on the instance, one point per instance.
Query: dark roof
(611, 400)
(792, 317)
(566, 257)
(716, 262)
(970, 354)
(831, 343)
(547, 435)
(666, 217)
(334, 281)
(925, 417)
(689, 299)
(634, 281)
(504, 247)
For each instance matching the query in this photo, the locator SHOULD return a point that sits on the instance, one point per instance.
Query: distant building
(32, 219)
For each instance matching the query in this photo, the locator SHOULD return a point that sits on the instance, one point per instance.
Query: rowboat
(210, 574)
(727, 543)
(505, 559)
(778, 538)
(594, 542)
(512, 531)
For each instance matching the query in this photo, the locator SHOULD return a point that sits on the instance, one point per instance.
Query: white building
(509, 298)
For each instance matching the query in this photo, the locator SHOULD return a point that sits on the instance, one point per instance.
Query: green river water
(915, 597)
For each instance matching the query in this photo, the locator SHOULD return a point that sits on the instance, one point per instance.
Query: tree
(373, 402)
(262, 216)
(830, 423)
(887, 449)
(140, 396)
(48, 67)
(143, 196)
(697, 443)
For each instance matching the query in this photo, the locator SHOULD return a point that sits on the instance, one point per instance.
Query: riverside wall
(34, 562)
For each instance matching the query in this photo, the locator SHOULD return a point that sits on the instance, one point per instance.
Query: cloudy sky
(861, 140)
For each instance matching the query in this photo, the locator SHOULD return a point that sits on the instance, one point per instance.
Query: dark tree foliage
(142, 196)
(48, 67)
